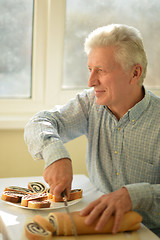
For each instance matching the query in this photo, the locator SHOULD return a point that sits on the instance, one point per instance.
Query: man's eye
(97, 70)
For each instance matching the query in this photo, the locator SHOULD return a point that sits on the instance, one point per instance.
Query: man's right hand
(59, 176)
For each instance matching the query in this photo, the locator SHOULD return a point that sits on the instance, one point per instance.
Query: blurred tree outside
(83, 16)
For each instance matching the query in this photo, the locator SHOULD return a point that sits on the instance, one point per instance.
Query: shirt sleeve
(46, 133)
(145, 199)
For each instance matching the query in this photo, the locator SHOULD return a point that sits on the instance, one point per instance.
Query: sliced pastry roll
(59, 224)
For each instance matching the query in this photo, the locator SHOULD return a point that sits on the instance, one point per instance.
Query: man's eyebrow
(98, 66)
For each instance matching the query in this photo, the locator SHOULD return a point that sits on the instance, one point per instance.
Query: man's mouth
(98, 92)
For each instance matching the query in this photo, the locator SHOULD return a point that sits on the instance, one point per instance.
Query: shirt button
(115, 152)
(117, 173)
(133, 120)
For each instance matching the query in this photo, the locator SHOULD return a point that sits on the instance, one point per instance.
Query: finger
(107, 213)
(68, 191)
(45, 176)
(95, 213)
(89, 208)
(59, 188)
(52, 188)
(117, 221)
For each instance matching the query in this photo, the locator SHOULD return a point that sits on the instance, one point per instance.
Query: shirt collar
(135, 112)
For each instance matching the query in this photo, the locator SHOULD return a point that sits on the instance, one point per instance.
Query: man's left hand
(116, 203)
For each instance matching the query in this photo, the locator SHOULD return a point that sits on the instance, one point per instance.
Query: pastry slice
(34, 231)
(19, 189)
(39, 204)
(43, 222)
(37, 187)
(74, 194)
(37, 196)
(11, 196)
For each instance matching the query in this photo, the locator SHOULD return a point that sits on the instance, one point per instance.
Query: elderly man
(121, 120)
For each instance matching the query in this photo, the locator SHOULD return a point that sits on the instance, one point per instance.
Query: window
(16, 48)
(47, 62)
(59, 29)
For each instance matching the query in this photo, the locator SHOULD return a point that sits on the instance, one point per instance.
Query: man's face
(111, 83)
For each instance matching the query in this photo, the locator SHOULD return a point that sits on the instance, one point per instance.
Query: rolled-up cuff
(54, 152)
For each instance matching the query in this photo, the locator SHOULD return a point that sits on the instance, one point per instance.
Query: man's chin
(101, 102)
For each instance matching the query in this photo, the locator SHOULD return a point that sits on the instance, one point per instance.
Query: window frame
(47, 62)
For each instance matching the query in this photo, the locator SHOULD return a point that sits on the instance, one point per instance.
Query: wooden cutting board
(119, 236)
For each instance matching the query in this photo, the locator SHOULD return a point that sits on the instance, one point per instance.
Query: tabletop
(13, 219)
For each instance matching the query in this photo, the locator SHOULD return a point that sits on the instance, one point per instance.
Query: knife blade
(69, 213)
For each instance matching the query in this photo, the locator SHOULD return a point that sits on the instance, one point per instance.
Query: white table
(13, 219)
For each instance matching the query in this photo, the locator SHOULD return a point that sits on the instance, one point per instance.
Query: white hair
(127, 42)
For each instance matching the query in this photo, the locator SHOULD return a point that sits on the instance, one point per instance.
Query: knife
(70, 215)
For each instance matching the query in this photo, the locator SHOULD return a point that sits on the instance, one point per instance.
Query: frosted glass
(83, 16)
(16, 19)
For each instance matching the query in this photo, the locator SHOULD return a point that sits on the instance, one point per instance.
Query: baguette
(61, 221)
(34, 231)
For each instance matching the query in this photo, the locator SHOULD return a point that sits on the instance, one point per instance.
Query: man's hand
(116, 203)
(59, 176)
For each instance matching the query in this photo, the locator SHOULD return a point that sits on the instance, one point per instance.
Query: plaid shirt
(120, 153)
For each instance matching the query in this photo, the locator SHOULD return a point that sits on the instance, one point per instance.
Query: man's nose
(93, 79)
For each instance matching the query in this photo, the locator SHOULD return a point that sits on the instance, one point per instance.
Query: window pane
(83, 16)
(16, 19)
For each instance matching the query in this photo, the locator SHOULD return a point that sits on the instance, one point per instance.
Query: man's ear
(136, 73)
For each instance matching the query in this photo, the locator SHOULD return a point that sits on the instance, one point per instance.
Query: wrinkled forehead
(101, 56)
